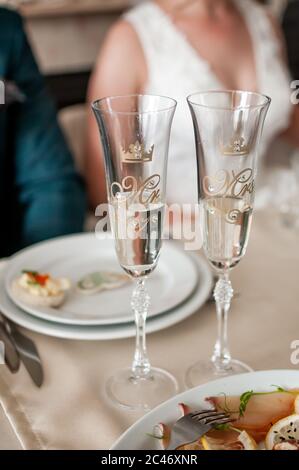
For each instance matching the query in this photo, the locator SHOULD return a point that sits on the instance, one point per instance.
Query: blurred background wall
(67, 34)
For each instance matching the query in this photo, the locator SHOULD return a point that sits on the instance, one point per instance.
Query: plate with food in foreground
(263, 406)
(77, 280)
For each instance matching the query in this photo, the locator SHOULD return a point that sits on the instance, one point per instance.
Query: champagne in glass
(227, 126)
(227, 222)
(135, 134)
(139, 250)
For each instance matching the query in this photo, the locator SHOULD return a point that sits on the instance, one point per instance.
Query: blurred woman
(178, 47)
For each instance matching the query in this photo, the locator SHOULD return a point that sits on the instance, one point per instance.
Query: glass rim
(267, 99)
(95, 104)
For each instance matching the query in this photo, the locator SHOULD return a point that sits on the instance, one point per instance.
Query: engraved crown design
(236, 148)
(137, 153)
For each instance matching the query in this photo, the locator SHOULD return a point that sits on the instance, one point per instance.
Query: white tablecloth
(70, 410)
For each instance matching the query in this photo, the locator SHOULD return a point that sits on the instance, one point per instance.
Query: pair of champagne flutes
(135, 133)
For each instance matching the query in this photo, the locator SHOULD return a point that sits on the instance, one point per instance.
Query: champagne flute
(228, 127)
(135, 133)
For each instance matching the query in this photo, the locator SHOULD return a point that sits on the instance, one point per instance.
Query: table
(70, 410)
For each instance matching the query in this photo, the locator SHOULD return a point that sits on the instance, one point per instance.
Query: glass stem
(140, 303)
(223, 295)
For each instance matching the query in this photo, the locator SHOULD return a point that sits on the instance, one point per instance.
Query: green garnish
(154, 437)
(222, 427)
(283, 390)
(27, 271)
(244, 400)
(245, 397)
(225, 408)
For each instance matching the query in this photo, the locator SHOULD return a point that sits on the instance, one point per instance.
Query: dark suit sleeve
(50, 191)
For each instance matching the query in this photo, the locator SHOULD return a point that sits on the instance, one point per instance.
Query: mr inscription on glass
(137, 191)
(231, 184)
(143, 192)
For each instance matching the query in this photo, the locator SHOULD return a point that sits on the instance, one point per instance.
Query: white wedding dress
(175, 69)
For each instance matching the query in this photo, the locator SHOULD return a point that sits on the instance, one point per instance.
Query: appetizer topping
(247, 441)
(232, 439)
(162, 433)
(36, 278)
(184, 409)
(289, 445)
(43, 285)
(194, 446)
(102, 280)
(264, 417)
(39, 289)
(284, 435)
(255, 412)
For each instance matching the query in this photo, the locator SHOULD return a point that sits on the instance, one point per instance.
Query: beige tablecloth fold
(70, 411)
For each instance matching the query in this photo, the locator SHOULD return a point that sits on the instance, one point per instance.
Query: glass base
(205, 371)
(143, 393)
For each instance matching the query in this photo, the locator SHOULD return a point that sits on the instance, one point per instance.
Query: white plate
(107, 332)
(136, 437)
(173, 281)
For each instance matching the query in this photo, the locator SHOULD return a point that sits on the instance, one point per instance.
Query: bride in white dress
(178, 47)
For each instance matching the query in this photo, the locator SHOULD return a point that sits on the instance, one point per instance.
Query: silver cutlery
(11, 355)
(26, 350)
(192, 426)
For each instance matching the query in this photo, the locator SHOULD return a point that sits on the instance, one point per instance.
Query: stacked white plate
(178, 287)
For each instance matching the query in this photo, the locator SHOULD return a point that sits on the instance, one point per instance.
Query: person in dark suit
(41, 194)
(290, 26)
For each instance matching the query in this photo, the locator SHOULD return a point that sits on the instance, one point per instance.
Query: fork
(192, 426)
